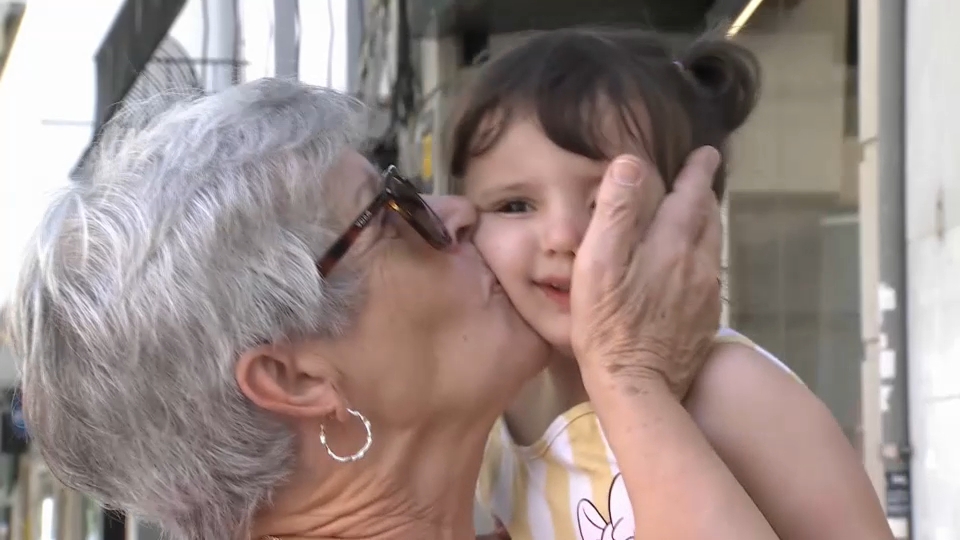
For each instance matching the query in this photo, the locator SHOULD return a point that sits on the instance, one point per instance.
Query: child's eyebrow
(515, 185)
(504, 186)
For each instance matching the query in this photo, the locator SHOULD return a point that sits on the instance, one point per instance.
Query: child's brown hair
(571, 80)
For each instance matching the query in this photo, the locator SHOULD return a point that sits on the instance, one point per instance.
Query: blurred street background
(842, 220)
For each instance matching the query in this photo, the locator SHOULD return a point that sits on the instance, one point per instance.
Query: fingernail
(626, 172)
(710, 156)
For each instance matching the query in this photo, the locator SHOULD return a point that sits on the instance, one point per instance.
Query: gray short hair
(195, 238)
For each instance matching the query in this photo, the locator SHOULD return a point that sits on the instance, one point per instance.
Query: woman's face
(535, 201)
(436, 335)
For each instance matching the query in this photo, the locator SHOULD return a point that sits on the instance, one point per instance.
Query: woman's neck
(410, 486)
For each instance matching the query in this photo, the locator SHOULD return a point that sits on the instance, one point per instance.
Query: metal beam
(286, 43)
(130, 42)
(896, 449)
(437, 18)
(137, 31)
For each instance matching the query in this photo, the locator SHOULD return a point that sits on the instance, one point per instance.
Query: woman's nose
(457, 214)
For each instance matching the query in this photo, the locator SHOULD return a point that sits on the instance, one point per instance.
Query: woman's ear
(291, 380)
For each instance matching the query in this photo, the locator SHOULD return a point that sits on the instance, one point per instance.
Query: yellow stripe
(590, 457)
(519, 526)
(736, 338)
(558, 497)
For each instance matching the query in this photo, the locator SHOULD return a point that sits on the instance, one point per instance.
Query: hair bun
(729, 73)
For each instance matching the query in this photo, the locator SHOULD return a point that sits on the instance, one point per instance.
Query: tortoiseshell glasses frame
(401, 196)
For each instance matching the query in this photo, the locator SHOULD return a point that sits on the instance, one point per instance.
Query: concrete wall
(442, 78)
(933, 245)
(869, 241)
(796, 140)
(793, 219)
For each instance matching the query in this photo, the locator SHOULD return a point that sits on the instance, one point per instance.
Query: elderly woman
(239, 329)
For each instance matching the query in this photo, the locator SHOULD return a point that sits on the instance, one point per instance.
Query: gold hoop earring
(359, 453)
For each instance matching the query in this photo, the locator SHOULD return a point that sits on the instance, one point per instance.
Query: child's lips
(557, 293)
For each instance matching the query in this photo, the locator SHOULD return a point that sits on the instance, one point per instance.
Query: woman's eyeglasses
(401, 196)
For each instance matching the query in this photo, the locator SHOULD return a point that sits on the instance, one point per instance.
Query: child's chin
(560, 341)
(554, 328)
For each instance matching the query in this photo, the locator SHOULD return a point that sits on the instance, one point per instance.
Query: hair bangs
(599, 93)
(567, 110)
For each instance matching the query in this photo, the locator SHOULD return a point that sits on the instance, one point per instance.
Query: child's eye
(513, 207)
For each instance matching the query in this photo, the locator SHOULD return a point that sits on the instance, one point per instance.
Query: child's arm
(785, 448)
(677, 484)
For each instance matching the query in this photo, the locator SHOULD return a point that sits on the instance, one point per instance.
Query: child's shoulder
(729, 335)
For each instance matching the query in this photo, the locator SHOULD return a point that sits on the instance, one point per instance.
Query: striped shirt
(565, 486)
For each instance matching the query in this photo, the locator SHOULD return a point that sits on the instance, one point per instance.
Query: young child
(529, 146)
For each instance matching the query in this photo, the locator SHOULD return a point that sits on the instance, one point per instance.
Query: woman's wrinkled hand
(645, 295)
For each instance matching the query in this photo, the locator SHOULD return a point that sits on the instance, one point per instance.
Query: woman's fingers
(627, 202)
(645, 294)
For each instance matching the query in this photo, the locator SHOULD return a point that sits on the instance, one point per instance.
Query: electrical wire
(402, 102)
(236, 76)
(368, 54)
(170, 69)
(168, 77)
(271, 35)
(297, 29)
(330, 42)
(353, 82)
(445, 85)
(205, 44)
